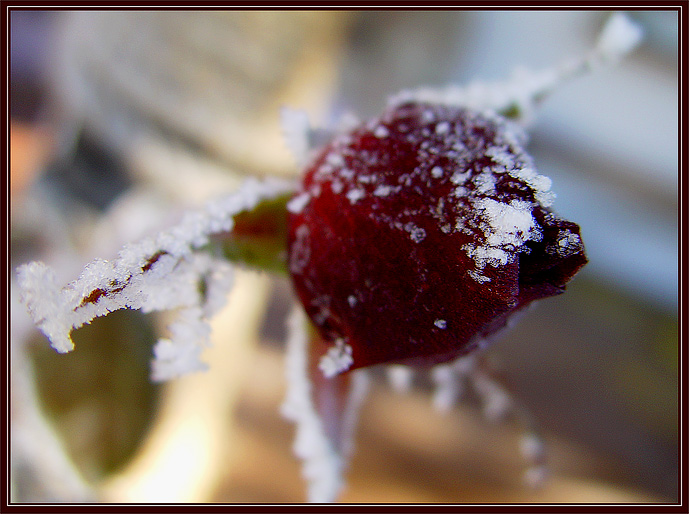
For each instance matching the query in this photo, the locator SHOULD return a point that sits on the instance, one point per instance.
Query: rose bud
(415, 236)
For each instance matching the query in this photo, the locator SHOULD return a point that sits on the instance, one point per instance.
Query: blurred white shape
(620, 35)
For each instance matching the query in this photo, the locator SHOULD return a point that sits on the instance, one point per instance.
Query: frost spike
(325, 411)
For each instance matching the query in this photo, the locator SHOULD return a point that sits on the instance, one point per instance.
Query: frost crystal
(297, 204)
(355, 195)
(381, 132)
(506, 228)
(164, 272)
(338, 359)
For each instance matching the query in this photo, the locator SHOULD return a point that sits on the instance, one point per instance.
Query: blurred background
(121, 120)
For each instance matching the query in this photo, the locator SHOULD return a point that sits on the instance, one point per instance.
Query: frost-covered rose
(416, 235)
(412, 238)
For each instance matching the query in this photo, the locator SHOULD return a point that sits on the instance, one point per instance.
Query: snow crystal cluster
(336, 360)
(165, 272)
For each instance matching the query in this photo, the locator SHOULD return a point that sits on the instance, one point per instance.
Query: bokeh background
(121, 120)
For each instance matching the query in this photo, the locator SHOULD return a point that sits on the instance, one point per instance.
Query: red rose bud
(415, 236)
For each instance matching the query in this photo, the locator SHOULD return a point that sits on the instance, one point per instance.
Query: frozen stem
(175, 270)
(325, 411)
(517, 97)
(322, 466)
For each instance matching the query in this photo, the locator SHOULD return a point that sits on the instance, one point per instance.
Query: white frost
(481, 279)
(442, 128)
(506, 228)
(336, 360)
(158, 273)
(620, 36)
(296, 131)
(381, 132)
(322, 465)
(301, 249)
(417, 234)
(383, 190)
(400, 377)
(297, 204)
(354, 195)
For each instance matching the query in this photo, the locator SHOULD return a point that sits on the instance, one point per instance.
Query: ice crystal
(337, 360)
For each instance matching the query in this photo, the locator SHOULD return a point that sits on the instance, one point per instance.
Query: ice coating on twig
(526, 88)
(322, 465)
(324, 460)
(163, 272)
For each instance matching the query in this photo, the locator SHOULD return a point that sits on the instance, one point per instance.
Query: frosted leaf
(165, 272)
(450, 380)
(357, 393)
(324, 455)
(41, 294)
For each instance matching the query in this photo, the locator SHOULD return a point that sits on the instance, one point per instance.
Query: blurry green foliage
(100, 397)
